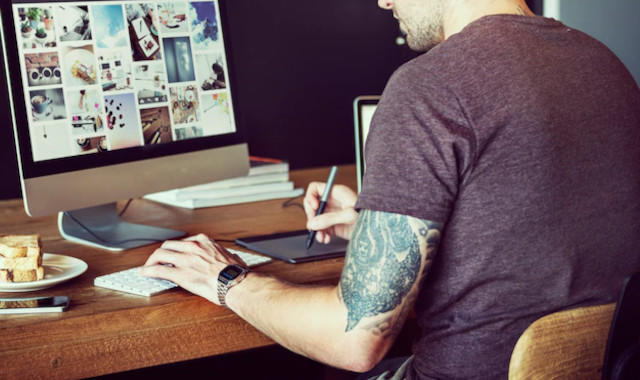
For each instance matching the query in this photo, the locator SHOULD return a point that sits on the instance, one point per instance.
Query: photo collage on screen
(103, 76)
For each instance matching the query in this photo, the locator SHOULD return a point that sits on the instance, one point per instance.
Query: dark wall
(535, 6)
(299, 65)
(9, 182)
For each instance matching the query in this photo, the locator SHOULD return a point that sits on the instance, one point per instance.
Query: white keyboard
(130, 281)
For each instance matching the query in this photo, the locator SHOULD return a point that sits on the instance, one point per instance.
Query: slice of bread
(21, 258)
(21, 263)
(16, 275)
(20, 245)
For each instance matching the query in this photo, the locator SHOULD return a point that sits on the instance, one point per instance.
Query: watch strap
(222, 293)
(225, 283)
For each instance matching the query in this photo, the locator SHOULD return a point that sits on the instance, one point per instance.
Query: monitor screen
(116, 99)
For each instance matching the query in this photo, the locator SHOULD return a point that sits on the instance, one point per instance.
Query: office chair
(594, 342)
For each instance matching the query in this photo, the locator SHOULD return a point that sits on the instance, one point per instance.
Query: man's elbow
(364, 356)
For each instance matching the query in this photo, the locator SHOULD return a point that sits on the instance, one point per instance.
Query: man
(502, 183)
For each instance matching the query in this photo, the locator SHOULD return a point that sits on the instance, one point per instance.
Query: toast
(17, 275)
(20, 245)
(21, 258)
(21, 263)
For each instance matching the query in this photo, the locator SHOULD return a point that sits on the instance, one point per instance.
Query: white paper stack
(267, 179)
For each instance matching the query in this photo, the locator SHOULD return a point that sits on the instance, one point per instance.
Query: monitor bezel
(33, 169)
(358, 104)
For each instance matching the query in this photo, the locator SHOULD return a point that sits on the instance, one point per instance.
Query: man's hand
(193, 263)
(339, 217)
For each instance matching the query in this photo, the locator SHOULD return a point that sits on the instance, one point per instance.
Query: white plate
(57, 269)
(84, 57)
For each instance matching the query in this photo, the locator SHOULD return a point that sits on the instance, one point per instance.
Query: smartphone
(34, 305)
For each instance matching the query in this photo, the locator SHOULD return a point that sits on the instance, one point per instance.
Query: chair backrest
(564, 345)
(622, 358)
(594, 342)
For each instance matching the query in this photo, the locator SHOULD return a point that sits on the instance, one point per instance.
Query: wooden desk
(106, 331)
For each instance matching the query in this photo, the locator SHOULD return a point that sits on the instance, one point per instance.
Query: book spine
(235, 182)
(200, 203)
(235, 192)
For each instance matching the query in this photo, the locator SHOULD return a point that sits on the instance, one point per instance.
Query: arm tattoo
(383, 263)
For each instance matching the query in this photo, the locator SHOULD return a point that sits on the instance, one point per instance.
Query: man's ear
(385, 4)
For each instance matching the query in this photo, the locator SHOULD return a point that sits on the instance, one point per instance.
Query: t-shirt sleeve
(418, 150)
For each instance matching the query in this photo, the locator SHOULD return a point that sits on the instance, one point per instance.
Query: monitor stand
(109, 231)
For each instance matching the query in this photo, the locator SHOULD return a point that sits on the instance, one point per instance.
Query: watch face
(231, 272)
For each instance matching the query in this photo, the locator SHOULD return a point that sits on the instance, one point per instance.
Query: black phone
(34, 305)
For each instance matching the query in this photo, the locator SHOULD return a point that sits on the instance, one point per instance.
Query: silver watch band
(228, 279)
(222, 293)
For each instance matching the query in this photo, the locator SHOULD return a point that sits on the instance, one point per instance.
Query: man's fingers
(324, 237)
(187, 246)
(160, 271)
(311, 198)
(165, 256)
(345, 195)
(324, 221)
(199, 245)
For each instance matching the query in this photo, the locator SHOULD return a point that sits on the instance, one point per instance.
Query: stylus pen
(323, 202)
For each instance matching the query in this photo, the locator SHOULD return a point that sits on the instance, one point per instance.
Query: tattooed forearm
(389, 326)
(383, 264)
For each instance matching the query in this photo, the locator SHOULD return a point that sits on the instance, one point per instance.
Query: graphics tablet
(291, 247)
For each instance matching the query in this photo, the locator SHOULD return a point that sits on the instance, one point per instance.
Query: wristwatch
(229, 277)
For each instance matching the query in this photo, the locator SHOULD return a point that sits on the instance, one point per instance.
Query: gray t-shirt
(523, 136)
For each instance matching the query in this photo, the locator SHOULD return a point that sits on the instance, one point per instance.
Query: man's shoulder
(420, 71)
(443, 61)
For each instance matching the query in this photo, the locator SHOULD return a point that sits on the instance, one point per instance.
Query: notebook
(363, 109)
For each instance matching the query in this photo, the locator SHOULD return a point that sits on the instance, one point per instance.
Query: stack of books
(267, 179)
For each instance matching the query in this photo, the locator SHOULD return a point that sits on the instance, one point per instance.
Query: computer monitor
(112, 100)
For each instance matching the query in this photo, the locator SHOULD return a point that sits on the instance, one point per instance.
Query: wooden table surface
(106, 331)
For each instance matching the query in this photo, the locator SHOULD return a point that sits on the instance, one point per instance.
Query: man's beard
(426, 37)
(425, 29)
